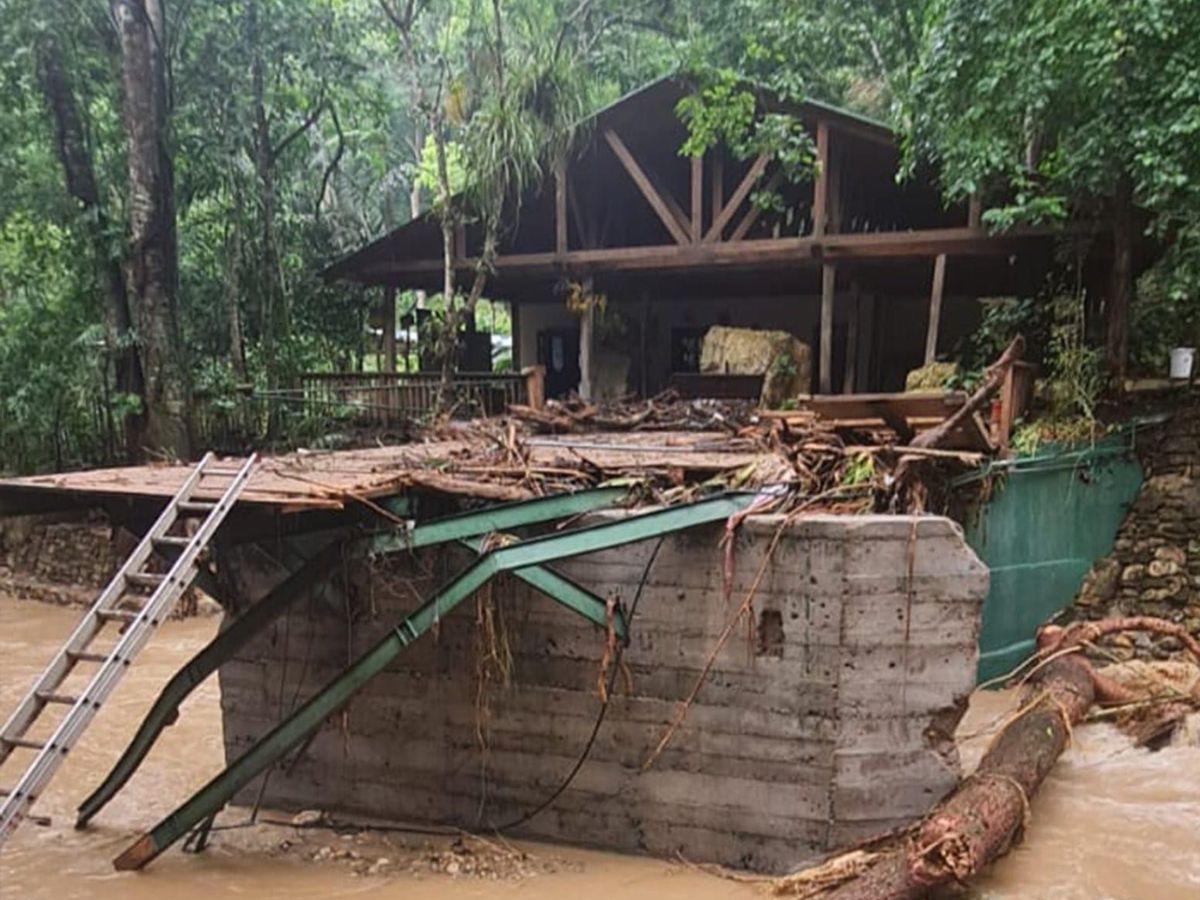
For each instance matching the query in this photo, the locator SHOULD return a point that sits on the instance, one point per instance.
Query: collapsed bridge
(827, 717)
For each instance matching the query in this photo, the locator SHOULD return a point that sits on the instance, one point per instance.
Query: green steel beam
(496, 518)
(450, 528)
(563, 590)
(308, 717)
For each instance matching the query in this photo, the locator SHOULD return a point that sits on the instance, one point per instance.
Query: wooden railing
(382, 398)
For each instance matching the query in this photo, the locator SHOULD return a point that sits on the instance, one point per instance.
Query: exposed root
(817, 880)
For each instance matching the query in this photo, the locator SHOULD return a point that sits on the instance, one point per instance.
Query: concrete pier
(830, 722)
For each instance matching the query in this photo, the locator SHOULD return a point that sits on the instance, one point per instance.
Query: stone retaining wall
(56, 559)
(1154, 568)
(830, 723)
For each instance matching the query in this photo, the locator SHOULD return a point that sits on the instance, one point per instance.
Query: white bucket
(1182, 360)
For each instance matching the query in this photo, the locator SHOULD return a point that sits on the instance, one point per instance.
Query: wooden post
(389, 329)
(535, 386)
(697, 221)
(645, 342)
(560, 208)
(975, 211)
(851, 341)
(935, 308)
(460, 243)
(587, 341)
(866, 342)
(828, 279)
(821, 186)
(514, 318)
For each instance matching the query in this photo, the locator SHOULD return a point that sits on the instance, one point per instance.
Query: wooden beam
(697, 221)
(748, 220)
(821, 185)
(648, 191)
(935, 308)
(784, 251)
(560, 208)
(735, 200)
(828, 280)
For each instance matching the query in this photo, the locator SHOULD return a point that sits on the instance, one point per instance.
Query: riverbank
(1110, 821)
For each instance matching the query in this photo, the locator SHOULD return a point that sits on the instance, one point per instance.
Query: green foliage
(860, 469)
(1042, 105)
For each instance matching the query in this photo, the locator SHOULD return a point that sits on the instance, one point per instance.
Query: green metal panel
(292, 730)
(1050, 517)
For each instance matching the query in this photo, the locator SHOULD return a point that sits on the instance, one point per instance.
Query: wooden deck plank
(328, 480)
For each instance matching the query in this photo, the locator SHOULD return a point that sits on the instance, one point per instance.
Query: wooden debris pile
(665, 412)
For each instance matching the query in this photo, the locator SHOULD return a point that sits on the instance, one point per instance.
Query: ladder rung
(80, 656)
(195, 506)
(145, 579)
(171, 540)
(116, 615)
(64, 699)
(23, 742)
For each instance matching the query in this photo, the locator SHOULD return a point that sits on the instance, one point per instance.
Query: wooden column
(820, 209)
(866, 342)
(975, 211)
(514, 318)
(828, 279)
(587, 342)
(389, 329)
(935, 308)
(645, 342)
(560, 209)
(697, 219)
(852, 329)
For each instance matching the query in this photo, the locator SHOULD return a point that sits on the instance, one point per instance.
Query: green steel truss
(521, 558)
(462, 528)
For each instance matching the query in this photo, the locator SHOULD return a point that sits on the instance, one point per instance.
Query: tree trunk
(79, 173)
(450, 321)
(270, 311)
(985, 816)
(233, 269)
(151, 273)
(1121, 298)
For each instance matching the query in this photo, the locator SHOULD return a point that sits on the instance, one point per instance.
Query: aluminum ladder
(208, 478)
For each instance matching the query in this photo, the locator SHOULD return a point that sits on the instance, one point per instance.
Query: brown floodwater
(1109, 822)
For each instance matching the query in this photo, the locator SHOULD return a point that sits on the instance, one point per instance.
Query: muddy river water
(1110, 821)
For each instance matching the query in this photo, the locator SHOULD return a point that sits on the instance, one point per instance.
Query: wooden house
(877, 275)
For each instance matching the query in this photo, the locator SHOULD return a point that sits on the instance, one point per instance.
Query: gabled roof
(644, 108)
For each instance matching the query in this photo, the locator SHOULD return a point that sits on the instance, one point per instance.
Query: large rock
(783, 360)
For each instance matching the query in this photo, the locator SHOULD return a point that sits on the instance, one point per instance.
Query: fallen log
(985, 816)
